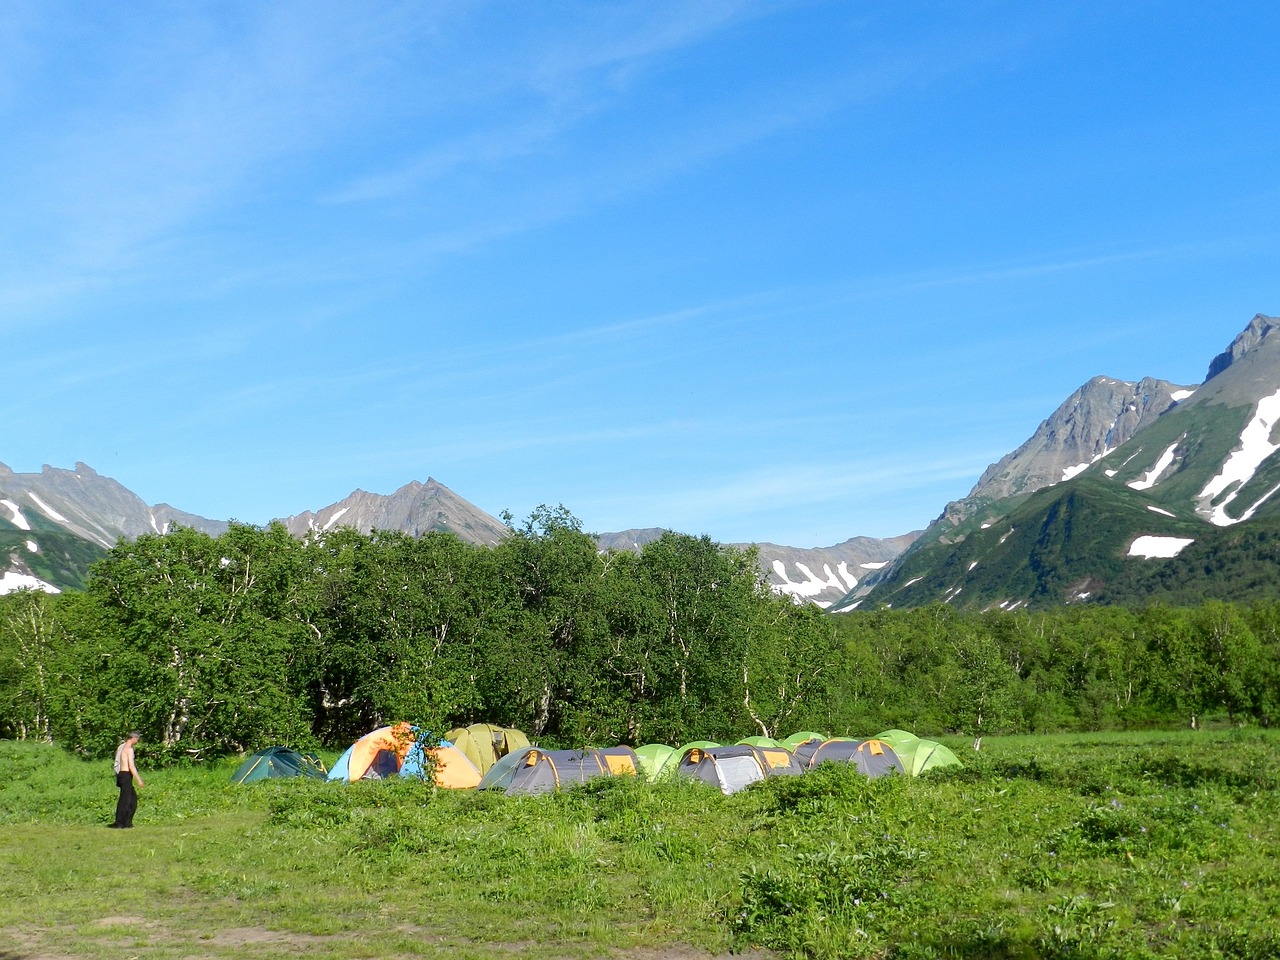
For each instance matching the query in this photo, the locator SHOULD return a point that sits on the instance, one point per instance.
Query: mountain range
(55, 523)
(1128, 492)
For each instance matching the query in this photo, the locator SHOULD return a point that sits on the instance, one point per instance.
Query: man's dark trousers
(128, 802)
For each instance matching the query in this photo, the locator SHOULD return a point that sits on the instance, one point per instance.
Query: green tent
(652, 757)
(278, 762)
(918, 755)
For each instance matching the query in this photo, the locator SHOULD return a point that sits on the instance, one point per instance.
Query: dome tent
(918, 755)
(396, 750)
(534, 770)
(802, 736)
(875, 758)
(761, 742)
(278, 762)
(484, 744)
(738, 766)
(653, 757)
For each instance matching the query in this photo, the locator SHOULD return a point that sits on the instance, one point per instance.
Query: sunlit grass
(1143, 845)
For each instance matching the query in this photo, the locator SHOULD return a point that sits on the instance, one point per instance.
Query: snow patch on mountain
(48, 511)
(33, 547)
(1069, 472)
(812, 585)
(1163, 512)
(335, 518)
(1151, 547)
(1180, 395)
(1255, 446)
(1152, 476)
(18, 520)
(11, 581)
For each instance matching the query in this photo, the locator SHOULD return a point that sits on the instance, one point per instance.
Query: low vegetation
(1081, 846)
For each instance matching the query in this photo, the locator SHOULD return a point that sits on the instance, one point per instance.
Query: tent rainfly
(278, 762)
(875, 758)
(534, 770)
(917, 755)
(486, 743)
(395, 750)
(733, 768)
(652, 758)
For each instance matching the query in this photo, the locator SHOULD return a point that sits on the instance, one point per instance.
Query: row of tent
(488, 757)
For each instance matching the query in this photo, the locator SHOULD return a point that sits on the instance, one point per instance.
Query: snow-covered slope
(92, 506)
(823, 575)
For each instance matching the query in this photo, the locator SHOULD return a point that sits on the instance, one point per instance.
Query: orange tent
(393, 750)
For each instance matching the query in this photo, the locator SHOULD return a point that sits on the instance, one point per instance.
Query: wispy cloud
(166, 124)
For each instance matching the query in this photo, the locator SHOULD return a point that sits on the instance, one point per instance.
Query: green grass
(1120, 845)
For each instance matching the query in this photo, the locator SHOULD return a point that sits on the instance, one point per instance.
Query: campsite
(405, 667)
(1081, 845)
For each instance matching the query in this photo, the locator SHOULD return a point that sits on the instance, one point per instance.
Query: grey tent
(733, 768)
(875, 758)
(534, 770)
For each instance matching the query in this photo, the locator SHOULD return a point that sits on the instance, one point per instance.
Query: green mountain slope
(1060, 545)
(61, 559)
(1239, 564)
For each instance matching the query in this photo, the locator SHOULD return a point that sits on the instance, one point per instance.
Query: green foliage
(200, 642)
(941, 670)
(1233, 564)
(217, 645)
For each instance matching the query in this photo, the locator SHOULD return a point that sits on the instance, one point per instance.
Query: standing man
(126, 776)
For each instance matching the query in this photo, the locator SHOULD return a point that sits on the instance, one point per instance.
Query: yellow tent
(484, 744)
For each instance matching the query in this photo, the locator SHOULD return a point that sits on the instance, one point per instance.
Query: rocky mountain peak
(1098, 417)
(1259, 328)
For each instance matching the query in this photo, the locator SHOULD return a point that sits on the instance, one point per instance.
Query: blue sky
(768, 271)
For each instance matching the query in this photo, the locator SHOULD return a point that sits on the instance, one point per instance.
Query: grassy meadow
(1082, 846)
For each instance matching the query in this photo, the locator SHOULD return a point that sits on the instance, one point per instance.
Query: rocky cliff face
(1089, 424)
